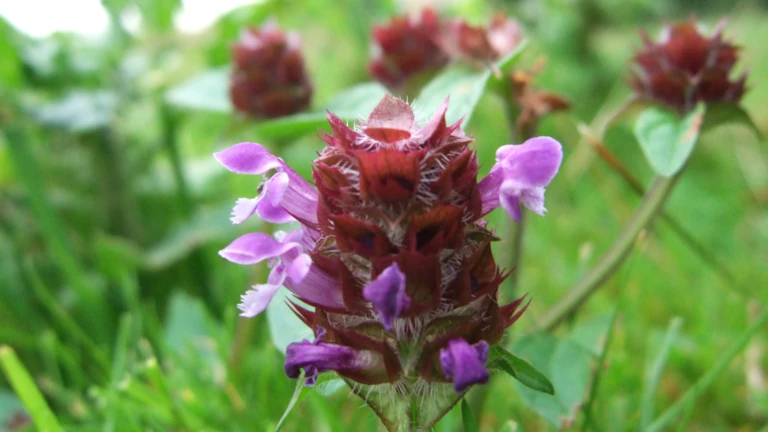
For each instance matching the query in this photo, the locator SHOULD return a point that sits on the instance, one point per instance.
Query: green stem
(650, 207)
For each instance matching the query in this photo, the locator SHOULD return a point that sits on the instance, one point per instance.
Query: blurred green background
(112, 211)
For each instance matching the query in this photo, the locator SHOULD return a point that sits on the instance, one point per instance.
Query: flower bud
(268, 77)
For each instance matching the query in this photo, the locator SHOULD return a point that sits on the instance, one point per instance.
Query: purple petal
(255, 247)
(464, 364)
(298, 269)
(387, 293)
(256, 299)
(318, 288)
(533, 163)
(317, 357)
(287, 194)
(244, 208)
(248, 158)
(510, 202)
(519, 176)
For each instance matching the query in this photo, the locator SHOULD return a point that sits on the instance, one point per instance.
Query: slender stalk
(634, 184)
(649, 208)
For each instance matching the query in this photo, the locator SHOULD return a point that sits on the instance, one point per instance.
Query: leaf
(27, 391)
(463, 85)
(78, 111)
(186, 325)
(667, 139)
(591, 334)
(295, 398)
(329, 387)
(204, 227)
(722, 114)
(468, 418)
(569, 366)
(654, 370)
(284, 326)
(499, 358)
(208, 91)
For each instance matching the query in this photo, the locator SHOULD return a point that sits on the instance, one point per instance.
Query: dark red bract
(268, 78)
(686, 67)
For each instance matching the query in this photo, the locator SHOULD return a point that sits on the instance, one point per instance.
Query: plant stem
(650, 207)
(634, 184)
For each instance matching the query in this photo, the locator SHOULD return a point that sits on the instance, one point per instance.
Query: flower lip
(282, 197)
(464, 364)
(519, 176)
(387, 293)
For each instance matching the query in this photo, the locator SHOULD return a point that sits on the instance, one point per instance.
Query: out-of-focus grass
(172, 362)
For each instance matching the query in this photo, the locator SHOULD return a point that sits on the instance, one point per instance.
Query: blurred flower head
(685, 67)
(268, 77)
(481, 45)
(392, 254)
(405, 47)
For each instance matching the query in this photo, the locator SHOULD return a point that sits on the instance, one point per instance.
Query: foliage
(116, 309)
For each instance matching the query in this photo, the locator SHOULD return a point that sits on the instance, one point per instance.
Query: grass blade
(653, 374)
(27, 391)
(292, 402)
(705, 381)
(468, 418)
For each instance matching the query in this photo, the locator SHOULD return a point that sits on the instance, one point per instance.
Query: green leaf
(569, 366)
(667, 139)
(722, 114)
(27, 391)
(208, 91)
(468, 418)
(499, 358)
(186, 324)
(284, 326)
(295, 398)
(330, 386)
(463, 85)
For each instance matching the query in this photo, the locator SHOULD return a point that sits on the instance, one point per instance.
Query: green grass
(118, 314)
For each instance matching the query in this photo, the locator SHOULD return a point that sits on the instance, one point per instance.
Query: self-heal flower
(480, 45)
(392, 256)
(685, 67)
(465, 363)
(268, 77)
(405, 47)
(519, 176)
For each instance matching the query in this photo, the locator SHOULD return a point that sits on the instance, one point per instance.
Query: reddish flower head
(685, 67)
(392, 252)
(406, 47)
(268, 78)
(481, 45)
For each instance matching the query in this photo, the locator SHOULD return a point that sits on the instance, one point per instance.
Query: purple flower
(519, 176)
(387, 293)
(317, 357)
(290, 266)
(283, 197)
(464, 364)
